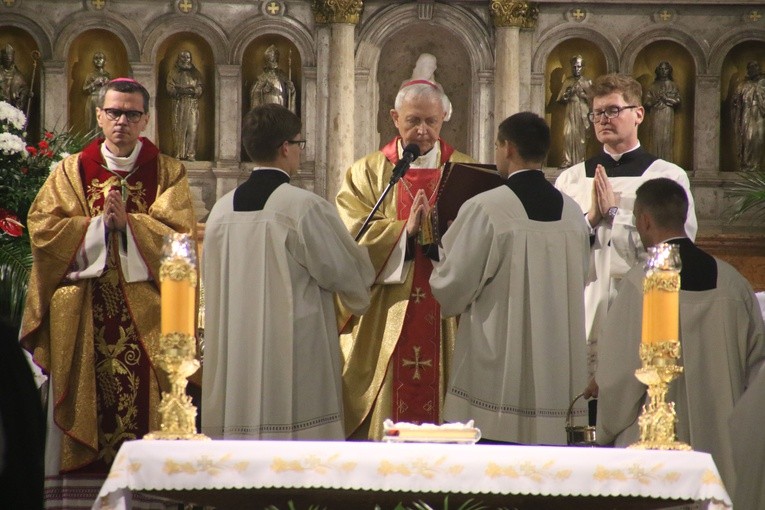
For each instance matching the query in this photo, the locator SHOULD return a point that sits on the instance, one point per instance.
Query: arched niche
(80, 66)
(202, 58)
(557, 68)
(24, 45)
(684, 76)
(398, 57)
(253, 64)
(732, 73)
(397, 26)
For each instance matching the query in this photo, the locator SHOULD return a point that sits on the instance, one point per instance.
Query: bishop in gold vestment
(396, 354)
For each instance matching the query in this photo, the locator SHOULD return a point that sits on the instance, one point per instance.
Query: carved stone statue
(93, 83)
(13, 86)
(425, 69)
(573, 94)
(184, 84)
(273, 85)
(661, 100)
(748, 110)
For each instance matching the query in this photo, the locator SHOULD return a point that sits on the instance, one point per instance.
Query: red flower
(48, 135)
(31, 150)
(10, 224)
(24, 170)
(43, 145)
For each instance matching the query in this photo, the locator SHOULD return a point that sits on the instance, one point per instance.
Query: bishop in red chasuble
(397, 354)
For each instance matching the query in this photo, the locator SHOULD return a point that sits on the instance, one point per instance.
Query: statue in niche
(748, 110)
(273, 85)
(92, 86)
(13, 86)
(425, 69)
(661, 100)
(184, 84)
(573, 94)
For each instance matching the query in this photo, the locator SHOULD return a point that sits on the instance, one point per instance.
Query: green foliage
(23, 169)
(749, 195)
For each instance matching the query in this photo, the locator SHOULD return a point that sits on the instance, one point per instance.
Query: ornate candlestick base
(178, 414)
(657, 421)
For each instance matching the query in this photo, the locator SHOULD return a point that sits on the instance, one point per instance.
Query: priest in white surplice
(722, 339)
(274, 255)
(513, 265)
(604, 187)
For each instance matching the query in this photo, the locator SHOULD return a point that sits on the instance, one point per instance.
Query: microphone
(411, 152)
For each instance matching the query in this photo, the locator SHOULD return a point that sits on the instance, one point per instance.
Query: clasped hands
(603, 197)
(115, 214)
(418, 213)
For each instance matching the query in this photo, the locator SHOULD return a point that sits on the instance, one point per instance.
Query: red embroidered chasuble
(123, 369)
(416, 359)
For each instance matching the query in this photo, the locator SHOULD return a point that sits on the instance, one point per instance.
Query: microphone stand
(393, 180)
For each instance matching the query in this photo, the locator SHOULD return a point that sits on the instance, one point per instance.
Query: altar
(360, 475)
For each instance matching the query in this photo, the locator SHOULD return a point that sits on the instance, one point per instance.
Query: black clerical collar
(629, 164)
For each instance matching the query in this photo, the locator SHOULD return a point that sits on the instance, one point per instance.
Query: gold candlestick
(178, 282)
(660, 348)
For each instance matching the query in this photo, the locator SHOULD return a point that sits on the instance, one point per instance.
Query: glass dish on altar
(403, 432)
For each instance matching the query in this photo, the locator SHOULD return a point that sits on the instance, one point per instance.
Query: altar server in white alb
(514, 264)
(604, 187)
(274, 254)
(722, 340)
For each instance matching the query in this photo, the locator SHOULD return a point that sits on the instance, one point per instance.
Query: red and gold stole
(123, 369)
(417, 356)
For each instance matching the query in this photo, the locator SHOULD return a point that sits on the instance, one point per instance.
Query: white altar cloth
(414, 467)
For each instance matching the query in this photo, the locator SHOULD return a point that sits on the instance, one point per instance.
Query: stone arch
(166, 26)
(474, 38)
(40, 32)
(722, 47)
(91, 21)
(251, 30)
(389, 20)
(643, 38)
(552, 38)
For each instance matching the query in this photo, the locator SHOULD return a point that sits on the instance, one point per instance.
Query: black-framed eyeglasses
(611, 112)
(133, 116)
(300, 143)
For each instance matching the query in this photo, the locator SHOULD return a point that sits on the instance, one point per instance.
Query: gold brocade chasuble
(97, 337)
(369, 341)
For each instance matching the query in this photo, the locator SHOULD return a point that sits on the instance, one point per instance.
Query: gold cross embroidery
(418, 295)
(185, 6)
(98, 4)
(578, 14)
(273, 8)
(9, 3)
(755, 16)
(417, 363)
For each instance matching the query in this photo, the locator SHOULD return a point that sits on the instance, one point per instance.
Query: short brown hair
(265, 128)
(628, 86)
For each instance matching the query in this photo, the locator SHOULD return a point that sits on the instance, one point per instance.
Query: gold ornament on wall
(337, 11)
(507, 13)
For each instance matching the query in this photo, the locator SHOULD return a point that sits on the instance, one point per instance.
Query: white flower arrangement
(12, 116)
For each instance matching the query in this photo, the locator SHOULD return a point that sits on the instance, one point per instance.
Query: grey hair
(424, 90)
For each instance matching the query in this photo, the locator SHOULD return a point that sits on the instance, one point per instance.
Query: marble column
(228, 108)
(342, 17)
(706, 137)
(144, 74)
(322, 107)
(509, 17)
(53, 88)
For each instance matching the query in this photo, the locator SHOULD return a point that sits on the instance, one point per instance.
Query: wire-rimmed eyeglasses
(610, 113)
(133, 116)
(300, 143)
